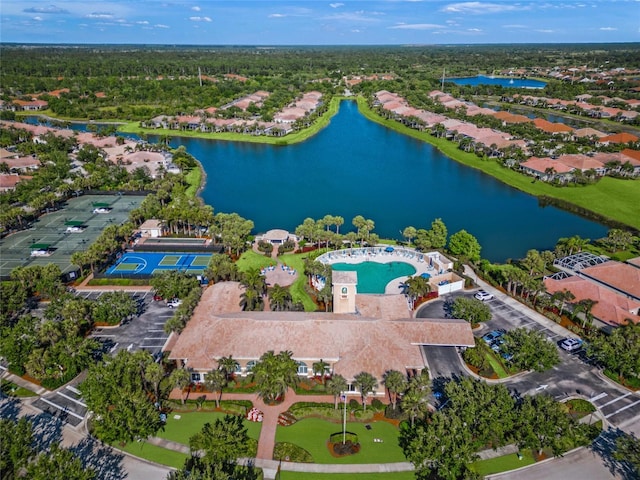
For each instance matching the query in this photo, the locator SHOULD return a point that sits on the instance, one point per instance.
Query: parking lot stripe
(151, 346)
(73, 389)
(102, 335)
(72, 399)
(159, 330)
(598, 397)
(62, 409)
(622, 409)
(154, 338)
(615, 400)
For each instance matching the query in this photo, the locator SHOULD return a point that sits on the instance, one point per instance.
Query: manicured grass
(497, 366)
(250, 260)
(156, 454)
(123, 282)
(347, 476)
(503, 464)
(12, 390)
(194, 179)
(191, 423)
(312, 434)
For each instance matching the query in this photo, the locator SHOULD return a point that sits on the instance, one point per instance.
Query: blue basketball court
(147, 263)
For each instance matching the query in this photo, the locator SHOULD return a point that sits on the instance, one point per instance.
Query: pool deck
(420, 261)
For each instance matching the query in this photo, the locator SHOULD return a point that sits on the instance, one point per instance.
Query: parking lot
(144, 332)
(576, 375)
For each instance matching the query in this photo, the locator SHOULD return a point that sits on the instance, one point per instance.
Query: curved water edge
(358, 167)
(505, 82)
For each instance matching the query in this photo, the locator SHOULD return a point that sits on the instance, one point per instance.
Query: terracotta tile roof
(541, 164)
(621, 276)
(22, 162)
(507, 117)
(619, 138)
(581, 162)
(589, 132)
(9, 181)
(611, 307)
(351, 343)
(551, 127)
(634, 261)
(632, 154)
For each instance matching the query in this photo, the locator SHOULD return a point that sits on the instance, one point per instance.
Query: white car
(571, 344)
(174, 303)
(483, 296)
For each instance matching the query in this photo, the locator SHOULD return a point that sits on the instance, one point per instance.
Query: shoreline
(565, 197)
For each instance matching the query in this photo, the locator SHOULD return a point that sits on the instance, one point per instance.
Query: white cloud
(277, 15)
(514, 25)
(196, 8)
(37, 19)
(47, 9)
(417, 26)
(102, 15)
(336, 5)
(142, 22)
(160, 25)
(200, 19)
(477, 8)
(359, 16)
(355, 30)
(475, 30)
(608, 29)
(542, 30)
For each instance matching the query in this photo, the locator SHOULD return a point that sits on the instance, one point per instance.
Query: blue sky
(312, 22)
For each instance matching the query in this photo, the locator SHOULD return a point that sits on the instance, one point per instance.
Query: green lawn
(12, 390)
(155, 454)
(347, 476)
(503, 464)
(191, 423)
(312, 434)
(252, 260)
(194, 179)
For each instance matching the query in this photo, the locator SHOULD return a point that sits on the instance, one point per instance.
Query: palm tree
(319, 369)
(395, 382)
(585, 306)
(366, 383)
(228, 365)
(336, 386)
(278, 298)
(274, 374)
(180, 378)
(563, 296)
(215, 381)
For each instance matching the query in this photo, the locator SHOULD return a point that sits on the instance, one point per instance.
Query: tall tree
(215, 381)
(336, 386)
(180, 378)
(470, 309)
(464, 245)
(225, 441)
(365, 383)
(530, 350)
(274, 374)
(396, 383)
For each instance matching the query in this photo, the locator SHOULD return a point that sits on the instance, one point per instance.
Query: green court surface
(50, 229)
(200, 261)
(127, 267)
(170, 260)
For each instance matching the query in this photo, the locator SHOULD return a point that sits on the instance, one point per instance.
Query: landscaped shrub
(265, 247)
(286, 246)
(377, 405)
(291, 453)
(394, 414)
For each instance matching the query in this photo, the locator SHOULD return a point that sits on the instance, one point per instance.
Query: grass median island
(503, 463)
(312, 434)
(156, 454)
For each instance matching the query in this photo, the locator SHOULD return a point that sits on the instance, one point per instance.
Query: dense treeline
(140, 82)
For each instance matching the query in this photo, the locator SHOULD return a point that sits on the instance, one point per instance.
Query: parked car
(483, 295)
(571, 344)
(493, 335)
(157, 298)
(174, 303)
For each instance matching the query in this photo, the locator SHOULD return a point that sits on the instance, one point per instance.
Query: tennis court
(148, 263)
(55, 236)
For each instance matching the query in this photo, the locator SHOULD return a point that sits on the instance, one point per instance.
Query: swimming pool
(373, 277)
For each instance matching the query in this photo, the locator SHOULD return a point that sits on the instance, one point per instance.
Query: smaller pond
(502, 81)
(373, 277)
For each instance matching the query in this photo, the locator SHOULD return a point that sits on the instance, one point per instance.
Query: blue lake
(358, 167)
(503, 82)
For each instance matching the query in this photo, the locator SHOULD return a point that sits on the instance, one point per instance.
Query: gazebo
(277, 236)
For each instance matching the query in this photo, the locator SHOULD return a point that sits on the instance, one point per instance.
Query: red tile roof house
(381, 337)
(32, 105)
(552, 128)
(8, 182)
(618, 138)
(612, 309)
(588, 132)
(633, 157)
(583, 163)
(547, 169)
(22, 164)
